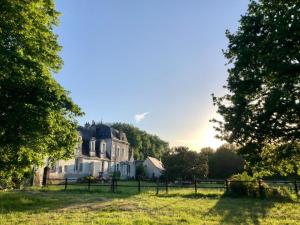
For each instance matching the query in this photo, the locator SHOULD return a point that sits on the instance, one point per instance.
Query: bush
(243, 185)
(91, 178)
(15, 180)
(116, 175)
(140, 172)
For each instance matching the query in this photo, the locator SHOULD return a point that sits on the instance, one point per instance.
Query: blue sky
(153, 64)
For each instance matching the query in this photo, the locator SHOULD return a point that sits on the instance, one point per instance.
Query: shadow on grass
(43, 200)
(236, 210)
(191, 195)
(244, 210)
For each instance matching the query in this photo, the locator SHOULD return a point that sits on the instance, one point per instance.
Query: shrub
(243, 185)
(91, 178)
(116, 175)
(140, 171)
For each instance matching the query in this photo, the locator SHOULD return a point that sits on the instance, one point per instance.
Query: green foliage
(181, 163)
(224, 162)
(37, 116)
(243, 185)
(116, 175)
(286, 156)
(144, 144)
(140, 171)
(263, 101)
(87, 179)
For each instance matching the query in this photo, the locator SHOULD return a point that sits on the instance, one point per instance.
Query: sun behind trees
(37, 116)
(261, 112)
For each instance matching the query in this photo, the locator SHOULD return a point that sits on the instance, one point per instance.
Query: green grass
(54, 206)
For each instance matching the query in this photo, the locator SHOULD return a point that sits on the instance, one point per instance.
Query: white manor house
(101, 151)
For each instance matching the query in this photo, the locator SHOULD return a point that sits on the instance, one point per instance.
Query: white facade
(153, 167)
(101, 151)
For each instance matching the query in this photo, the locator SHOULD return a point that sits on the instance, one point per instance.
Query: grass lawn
(54, 206)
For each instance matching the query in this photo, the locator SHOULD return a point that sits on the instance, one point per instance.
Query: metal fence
(158, 186)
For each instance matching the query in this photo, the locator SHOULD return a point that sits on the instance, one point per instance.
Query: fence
(114, 185)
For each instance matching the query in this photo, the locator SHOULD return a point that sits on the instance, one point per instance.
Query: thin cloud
(139, 117)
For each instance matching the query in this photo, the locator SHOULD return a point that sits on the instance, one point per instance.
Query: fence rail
(138, 185)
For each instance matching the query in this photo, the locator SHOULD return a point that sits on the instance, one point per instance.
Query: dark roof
(98, 131)
(101, 131)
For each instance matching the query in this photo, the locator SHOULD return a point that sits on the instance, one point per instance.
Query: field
(55, 206)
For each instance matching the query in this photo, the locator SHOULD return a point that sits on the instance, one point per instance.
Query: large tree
(262, 106)
(224, 162)
(182, 163)
(37, 117)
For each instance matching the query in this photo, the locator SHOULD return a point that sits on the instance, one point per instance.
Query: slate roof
(101, 131)
(98, 131)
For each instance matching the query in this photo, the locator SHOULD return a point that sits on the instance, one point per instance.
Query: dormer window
(92, 146)
(103, 147)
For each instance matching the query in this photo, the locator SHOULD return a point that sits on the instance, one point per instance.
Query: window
(53, 169)
(78, 164)
(92, 145)
(80, 167)
(118, 151)
(103, 150)
(60, 169)
(102, 166)
(65, 169)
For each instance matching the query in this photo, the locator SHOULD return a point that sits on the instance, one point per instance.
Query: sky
(151, 63)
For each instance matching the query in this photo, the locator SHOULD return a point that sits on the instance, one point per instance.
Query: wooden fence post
(157, 188)
(226, 186)
(66, 183)
(89, 183)
(167, 188)
(139, 186)
(195, 183)
(296, 187)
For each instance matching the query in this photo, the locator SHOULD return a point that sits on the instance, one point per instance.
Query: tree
(225, 162)
(37, 116)
(263, 103)
(144, 144)
(286, 156)
(140, 172)
(208, 151)
(181, 163)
